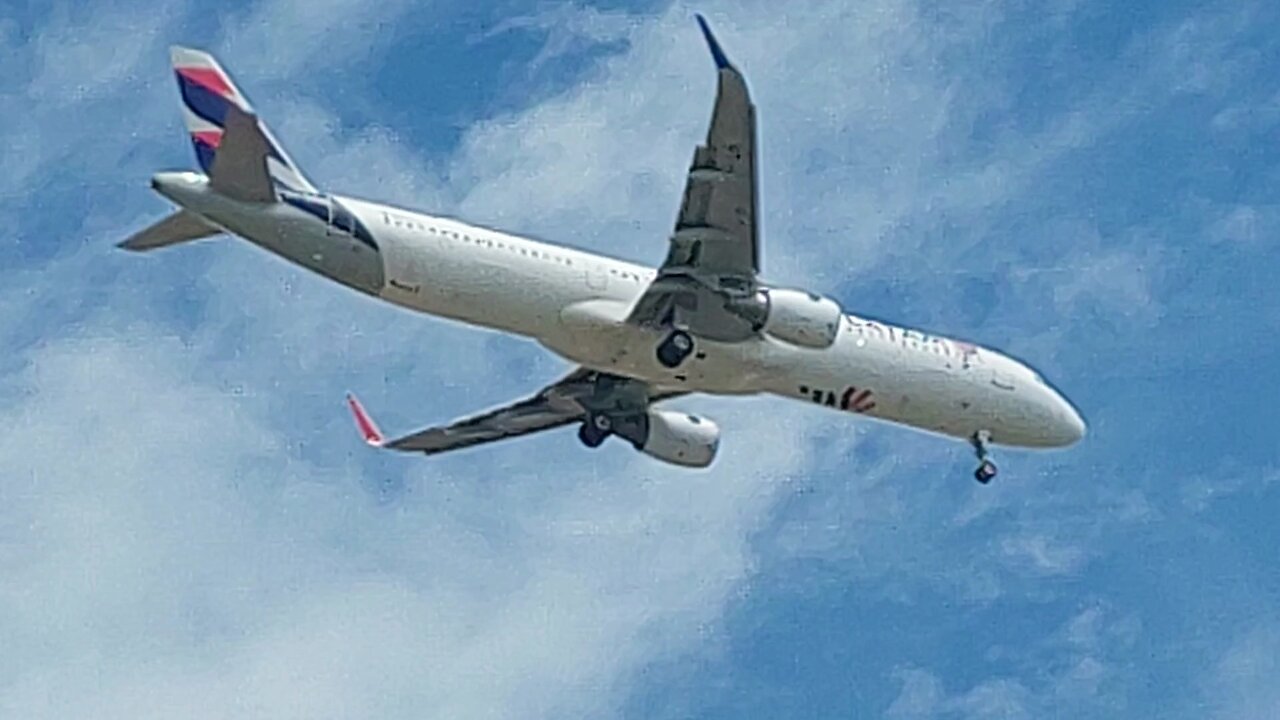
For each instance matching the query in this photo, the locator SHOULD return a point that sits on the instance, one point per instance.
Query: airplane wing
(565, 402)
(714, 255)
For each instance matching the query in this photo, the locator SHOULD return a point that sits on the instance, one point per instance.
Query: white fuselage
(575, 303)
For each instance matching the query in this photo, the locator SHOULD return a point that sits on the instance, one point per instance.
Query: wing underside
(716, 228)
(571, 400)
(523, 418)
(714, 254)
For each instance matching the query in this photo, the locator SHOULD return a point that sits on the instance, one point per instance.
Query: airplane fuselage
(575, 303)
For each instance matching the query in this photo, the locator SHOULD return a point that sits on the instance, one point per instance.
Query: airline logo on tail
(207, 94)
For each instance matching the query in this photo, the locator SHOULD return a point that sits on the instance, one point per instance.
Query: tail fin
(207, 96)
(178, 227)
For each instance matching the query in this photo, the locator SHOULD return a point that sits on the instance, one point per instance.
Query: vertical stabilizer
(208, 94)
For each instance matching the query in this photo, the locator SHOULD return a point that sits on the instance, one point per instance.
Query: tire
(590, 436)
(986, 472)
(673, 350)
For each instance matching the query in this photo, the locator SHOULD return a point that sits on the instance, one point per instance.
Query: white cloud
(283, 39)
(81, 68)
(1041, 555)
(1076, 666)
(1245, 227)
(176, 547)
(1245, 684)
(1253, 118)
(922, 696)
(89, 54)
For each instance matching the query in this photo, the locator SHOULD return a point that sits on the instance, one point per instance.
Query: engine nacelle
(801, 318)
(681, 439)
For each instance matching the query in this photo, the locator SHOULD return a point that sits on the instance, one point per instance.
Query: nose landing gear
(987, 469)
(674, 350)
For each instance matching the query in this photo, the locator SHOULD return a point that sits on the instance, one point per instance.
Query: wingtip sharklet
(364, 423)
(717, 53)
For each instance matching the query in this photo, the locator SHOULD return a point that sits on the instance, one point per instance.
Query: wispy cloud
(1246, 681)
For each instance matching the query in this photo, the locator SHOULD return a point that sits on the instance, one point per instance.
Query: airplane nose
(1075, 425)
(1069, 427)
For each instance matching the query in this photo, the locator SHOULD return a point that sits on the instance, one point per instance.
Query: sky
(189, 525)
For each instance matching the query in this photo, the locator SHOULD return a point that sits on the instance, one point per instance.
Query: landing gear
(595, 430)
(987, 470)
(673, 350)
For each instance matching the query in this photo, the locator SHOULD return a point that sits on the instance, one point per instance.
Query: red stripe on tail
(212, 138)
(209, 78)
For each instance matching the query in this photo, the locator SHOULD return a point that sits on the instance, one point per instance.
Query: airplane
(704, 321)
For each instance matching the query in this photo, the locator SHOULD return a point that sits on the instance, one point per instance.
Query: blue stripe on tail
(204, 154)
(205, 103)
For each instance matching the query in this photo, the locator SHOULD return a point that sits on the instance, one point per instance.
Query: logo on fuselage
(852, 399)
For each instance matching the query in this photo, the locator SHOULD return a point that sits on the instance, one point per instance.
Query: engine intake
(801, 318)
(680, 438)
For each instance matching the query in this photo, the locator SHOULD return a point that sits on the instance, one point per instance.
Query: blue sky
(189, 526)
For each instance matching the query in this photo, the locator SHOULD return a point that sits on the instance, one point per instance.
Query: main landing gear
(595, 430)
(674, 350)
(987, 470)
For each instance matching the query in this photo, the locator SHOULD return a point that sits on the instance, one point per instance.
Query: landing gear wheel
(591, 434)
(673, 350)
(986, 472)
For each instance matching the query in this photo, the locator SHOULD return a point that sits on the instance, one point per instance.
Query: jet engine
(801, 318)
(680, 438)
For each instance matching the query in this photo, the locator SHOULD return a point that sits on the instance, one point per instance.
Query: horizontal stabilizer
(180, 227)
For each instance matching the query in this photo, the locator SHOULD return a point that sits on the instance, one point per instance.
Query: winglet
(372, 435)
(722, 61)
